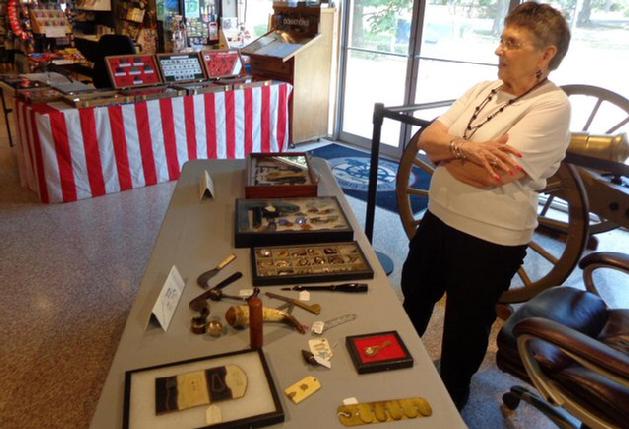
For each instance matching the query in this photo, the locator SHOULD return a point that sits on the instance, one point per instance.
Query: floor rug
(351, 170)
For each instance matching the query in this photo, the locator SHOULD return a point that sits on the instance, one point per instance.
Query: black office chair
(109, 44)
(574, 349)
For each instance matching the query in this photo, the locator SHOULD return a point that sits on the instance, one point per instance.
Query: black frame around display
(260, 420)
(257, 190)
(366, 365)
(309, 277)
(243, 237)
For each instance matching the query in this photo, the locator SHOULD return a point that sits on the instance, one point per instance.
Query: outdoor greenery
(383, 25)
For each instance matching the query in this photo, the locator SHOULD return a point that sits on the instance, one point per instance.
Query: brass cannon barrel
(603, 146)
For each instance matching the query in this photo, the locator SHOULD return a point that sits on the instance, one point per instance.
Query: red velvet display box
(221, 63)
(132, 71)
(379, 351)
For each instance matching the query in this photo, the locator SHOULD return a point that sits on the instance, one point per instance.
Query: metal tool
(199, 301)
(336, 321)
(344, 287)
(202, 280)
(313, 308)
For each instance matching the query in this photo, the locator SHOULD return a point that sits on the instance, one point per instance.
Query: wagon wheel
(599, 111)
(542, 267)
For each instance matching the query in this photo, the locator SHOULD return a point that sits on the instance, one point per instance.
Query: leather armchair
(574, 349)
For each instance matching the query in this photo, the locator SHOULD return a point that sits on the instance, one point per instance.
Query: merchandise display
(280, 175)
(152, 93)
(379, 351)
(132, 71)
(48, 19)
(193, 88)
(180, 67)
(96, 98)
(310, 264)
(39, 95)
(268, 222)
(237, 386)
(383, 411)
(221, 63)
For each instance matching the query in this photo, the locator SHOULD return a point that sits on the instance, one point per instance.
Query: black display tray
(309, 263)
(288, 221)
(378, 351)
(251, 416)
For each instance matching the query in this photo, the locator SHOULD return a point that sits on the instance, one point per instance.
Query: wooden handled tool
(314, 308)
(204, 277)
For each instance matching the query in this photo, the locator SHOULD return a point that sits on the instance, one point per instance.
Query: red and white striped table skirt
(67, 154)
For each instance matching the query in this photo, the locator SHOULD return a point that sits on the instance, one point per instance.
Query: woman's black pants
(473, 273)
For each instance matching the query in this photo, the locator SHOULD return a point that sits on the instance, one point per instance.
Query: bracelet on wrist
(455, 148)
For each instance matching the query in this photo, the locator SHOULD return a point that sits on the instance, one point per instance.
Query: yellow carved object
(383, 411)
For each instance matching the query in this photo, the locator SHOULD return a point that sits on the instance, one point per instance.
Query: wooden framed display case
(300, 50)
(96, 98)
(280, 175)
(180, 67)
(223, 63)
(287, 221)
(309, 263)
(152, 93)
(238, 384)
(133, 71)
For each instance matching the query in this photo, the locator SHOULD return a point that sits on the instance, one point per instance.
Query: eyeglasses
(510, 44)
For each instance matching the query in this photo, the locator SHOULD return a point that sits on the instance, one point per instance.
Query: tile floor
(69, 274)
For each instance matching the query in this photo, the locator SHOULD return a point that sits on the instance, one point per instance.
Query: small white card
(245, 293)
(206, 186)
(168, 299)
(320, 348)
(213, 415)
(304, 295)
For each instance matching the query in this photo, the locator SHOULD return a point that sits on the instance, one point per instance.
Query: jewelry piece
(265, 252)
(372, 351)
(284, 222)
(215, 328)
(470, 129)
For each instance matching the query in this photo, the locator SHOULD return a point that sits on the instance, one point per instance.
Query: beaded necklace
(470, 130)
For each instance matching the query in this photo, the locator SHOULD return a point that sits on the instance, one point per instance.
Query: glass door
(377, 42)
(599, 47)
(403, 52)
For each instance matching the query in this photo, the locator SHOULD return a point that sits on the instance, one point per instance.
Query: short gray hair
(546, 23)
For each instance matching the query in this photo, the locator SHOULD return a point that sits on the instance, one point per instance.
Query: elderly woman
(494, 150)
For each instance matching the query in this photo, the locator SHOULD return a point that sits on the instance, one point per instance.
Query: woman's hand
(495, 156)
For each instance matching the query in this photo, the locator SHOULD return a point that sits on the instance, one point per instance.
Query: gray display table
(195, 236)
